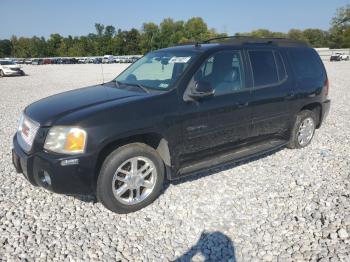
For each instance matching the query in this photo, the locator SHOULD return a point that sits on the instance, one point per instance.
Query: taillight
(326, 86)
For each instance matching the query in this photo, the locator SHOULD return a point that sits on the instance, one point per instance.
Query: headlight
(66, 140)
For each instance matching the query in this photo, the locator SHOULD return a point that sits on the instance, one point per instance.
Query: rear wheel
(131, 178)
(303, 130)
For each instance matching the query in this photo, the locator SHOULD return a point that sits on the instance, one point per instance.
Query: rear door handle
(290, 95)
(242, 104)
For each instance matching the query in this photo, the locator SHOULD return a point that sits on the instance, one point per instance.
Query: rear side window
(306, 63)
(264, 67)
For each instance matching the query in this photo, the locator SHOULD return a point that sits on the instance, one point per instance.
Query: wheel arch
(154, 140)
(316, 107)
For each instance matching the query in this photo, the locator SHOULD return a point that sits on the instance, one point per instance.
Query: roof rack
(240, 39)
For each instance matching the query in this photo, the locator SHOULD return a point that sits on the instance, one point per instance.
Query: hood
(48, 110)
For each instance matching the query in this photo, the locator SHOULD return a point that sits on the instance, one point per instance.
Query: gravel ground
(292, 205)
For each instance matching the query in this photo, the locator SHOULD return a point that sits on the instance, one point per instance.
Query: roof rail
(243, 39)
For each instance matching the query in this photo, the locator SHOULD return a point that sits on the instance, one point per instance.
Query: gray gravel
(293, 205)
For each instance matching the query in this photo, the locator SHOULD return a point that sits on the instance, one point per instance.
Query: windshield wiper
(118, 84)
(139, 86)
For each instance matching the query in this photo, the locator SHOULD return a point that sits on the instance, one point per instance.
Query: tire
(2, 73)
(304, 117)
(113, 177)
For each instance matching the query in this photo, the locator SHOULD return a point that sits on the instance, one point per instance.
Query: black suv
(173, 112)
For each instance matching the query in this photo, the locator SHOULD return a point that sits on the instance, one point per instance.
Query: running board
(234, 156)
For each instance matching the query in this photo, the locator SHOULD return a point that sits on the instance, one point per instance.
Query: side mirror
(202, 89)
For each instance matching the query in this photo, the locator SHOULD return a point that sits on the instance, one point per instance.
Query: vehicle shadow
(217, 169)
(211, 246)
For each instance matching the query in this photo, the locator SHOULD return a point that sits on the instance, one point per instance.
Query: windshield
(157, 70)
(7, 63)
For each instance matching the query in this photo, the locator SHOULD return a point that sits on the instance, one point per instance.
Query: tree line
(108, 40)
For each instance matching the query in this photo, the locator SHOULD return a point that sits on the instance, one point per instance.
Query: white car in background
(10, 68)
(108, 59)
(339, 57)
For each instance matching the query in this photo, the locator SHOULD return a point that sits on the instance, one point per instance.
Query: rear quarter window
(306, 63)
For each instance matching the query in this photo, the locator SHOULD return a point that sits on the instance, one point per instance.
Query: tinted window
(223, 71)
(264, 67)
(306, 63)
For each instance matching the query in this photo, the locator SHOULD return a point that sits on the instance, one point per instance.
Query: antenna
(103, 78)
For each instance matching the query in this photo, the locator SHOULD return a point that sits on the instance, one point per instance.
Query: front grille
(26, 132)
(16, 69)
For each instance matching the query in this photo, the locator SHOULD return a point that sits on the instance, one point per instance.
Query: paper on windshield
(179, 59)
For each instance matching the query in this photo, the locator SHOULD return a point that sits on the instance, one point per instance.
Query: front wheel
(303, 130)
(2, 73)
(131, 178)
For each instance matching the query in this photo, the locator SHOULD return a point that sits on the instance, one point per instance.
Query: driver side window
(223, 71)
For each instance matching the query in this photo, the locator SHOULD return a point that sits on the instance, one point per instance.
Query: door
(222, 121)
(272, 94)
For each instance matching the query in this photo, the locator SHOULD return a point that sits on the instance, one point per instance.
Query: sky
(77, 17)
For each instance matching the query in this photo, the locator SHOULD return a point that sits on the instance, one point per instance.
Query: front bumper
(70, 180)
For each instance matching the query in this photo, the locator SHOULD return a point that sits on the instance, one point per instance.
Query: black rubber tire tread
(293, 142)
(112, 162)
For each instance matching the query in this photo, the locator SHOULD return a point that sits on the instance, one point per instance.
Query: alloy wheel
(306, 131)
(134, 180)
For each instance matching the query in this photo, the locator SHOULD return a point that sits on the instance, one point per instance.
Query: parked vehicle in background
(172, 113)
(134, 59)
(97, 60)
(46, 61)
(20, 61)
(28, 61)
(37, 61)
(82, 60)
(108, 59)
(117, 59)
(339, 57)
(123, 60)
(10, 68)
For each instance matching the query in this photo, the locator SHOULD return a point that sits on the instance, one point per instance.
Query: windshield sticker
(163, 85)
(179, 59)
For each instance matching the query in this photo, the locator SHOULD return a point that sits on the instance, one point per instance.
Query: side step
(234, 156)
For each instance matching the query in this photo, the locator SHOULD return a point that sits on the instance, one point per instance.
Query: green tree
(5, 48)
(340, 30)
(53, 44)
(99, 29)
(316, 37)
(296, 34)
(196, 29)
(150, 36)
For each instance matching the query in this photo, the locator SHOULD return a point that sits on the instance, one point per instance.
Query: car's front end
(9, 68)
(59, 152)
(53, 157)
